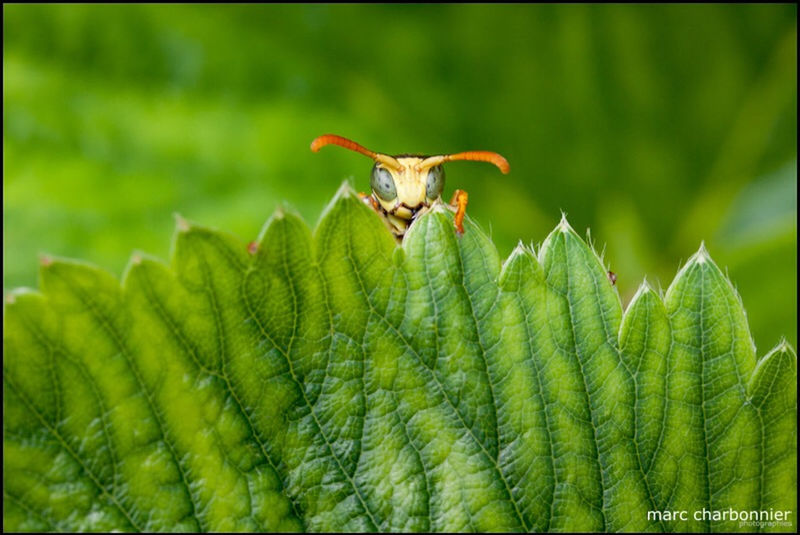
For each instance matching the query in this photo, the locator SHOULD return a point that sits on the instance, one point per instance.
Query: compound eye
(382, 183)
(435, 183)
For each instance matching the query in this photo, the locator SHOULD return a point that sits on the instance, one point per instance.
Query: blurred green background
(657, 126)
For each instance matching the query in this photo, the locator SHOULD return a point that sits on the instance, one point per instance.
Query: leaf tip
(563, 225)
(701, 256)
(645, 288)
(782, 351)
(181, 223)
(518, 251)
(45, 260)
(11, 297)
(343, 195)
(784, 346)
(345, 191)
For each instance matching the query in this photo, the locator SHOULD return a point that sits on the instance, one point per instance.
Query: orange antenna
(473, 155)
(332, 139)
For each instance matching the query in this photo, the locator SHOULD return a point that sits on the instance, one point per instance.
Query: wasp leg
(370, 201)
(459, 202)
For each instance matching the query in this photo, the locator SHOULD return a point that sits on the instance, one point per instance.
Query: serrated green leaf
(338, 382)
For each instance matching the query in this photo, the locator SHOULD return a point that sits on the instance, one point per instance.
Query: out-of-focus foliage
(656, 126)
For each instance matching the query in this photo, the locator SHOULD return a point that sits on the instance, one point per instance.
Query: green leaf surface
(338, 382)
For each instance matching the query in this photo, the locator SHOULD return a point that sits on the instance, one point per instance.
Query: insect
(405, 186)
(612, 278)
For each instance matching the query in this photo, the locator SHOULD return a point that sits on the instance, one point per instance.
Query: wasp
(405, 186)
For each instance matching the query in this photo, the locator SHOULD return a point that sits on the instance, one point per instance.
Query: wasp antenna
(480, 156)
(331, 139)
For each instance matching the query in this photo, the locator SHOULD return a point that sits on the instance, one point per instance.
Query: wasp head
(406, 184)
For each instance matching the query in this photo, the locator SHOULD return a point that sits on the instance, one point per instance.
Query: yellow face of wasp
(408, 187)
